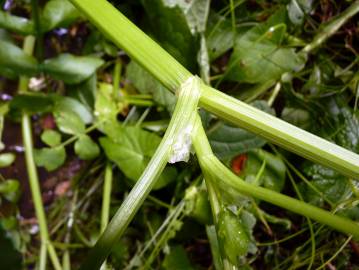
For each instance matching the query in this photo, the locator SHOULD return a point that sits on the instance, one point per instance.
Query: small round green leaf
(51, 137)
(50, 158)
(6, 159)
(86, 148)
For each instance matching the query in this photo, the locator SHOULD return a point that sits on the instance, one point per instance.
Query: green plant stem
(280, 132)
(35, 10)
(182, 116)
(171, 74)
(106, 197)
(333, 26)
(210, 164)
(32, 172)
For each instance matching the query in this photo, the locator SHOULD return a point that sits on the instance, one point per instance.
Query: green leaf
(58, 13)
(145, 83)
(131, 149)
(6, 159)
(197, 15)
(259, 56)
(228, 141)
(200, 206)
(69, 122)
(10, 258)
(14, 59)
(334, 186)
(32, 103)
(71, 69)
(273, 176)
(298, 117)
(86, 148)
(50, 158)
(10, 189)
(51, 137)
(220, 36)
(177, 259)
(85, 92)
(169, 26)
(232, 237)
(16, 24)
(297, 9)
(70, 104)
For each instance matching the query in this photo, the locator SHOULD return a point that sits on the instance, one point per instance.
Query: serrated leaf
(14, 59)
(50, 158)
(71, 69)
(58, 13)
(51, 137)
(6, 159)
(145, 83)
(131, 149)
(86, 148)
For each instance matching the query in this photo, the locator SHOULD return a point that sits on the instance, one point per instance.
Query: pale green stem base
(32, 173)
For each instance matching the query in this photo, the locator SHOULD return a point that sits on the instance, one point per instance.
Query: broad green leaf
(69, 122)
(85, 92)
(220, 36)
(145, 83)
(259, 54)
(132, 149)
(58, 13)
(63, 103)
(169, 26)
(10, 258)
(177, 259)
(86, 148)
(32, 103)
(273, 176)
(71, 69)
(50, 158)
(331, 184)
(51, 137)
(14, 59)
(6, 159)
(228, 141)
(298, 117)
(232, 236)
(16, 24)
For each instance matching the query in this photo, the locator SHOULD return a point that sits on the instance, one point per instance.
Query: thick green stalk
(32, 172)
(182, 118)
(171, 74)
(280, 132)
(210, 164)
